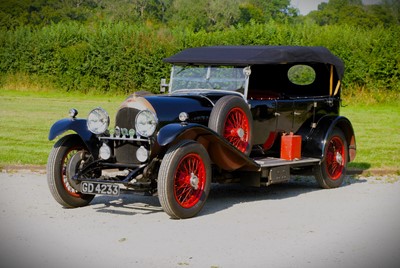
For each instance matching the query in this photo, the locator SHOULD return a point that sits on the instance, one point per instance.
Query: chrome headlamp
(98, 121)
(146, 123)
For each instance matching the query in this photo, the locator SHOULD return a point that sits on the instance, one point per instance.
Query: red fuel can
(291, 147)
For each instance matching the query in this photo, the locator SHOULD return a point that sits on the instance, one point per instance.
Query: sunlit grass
(26, 117)
(377, 134)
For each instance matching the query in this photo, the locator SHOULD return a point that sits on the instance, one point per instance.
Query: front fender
(221, 152)
(170, 132)
(315, 142)
(77, 125)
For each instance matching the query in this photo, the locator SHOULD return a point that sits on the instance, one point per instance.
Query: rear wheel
(231, 118)
(331, 172)
(184, 179)
(62, 165)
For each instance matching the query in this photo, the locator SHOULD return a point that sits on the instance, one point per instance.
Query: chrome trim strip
(123, 139)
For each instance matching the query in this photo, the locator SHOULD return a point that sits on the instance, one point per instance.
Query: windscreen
(208, 78)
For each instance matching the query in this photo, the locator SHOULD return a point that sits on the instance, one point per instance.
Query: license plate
(99, 188)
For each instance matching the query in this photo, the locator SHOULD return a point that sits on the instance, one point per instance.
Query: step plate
(275, 162)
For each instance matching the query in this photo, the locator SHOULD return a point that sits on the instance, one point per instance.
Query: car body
(248, 114)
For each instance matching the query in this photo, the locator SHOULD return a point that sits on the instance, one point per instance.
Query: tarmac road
(294, 224)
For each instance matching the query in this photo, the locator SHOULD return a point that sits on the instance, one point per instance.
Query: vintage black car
(248, 114)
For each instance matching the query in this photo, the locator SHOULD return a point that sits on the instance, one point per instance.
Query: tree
(220, 14)
(209, 15)
(42, 12)
(350, 12)
(250, 12)
(389, 12)
(205, 14)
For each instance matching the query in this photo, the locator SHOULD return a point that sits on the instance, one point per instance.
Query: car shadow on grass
(222, 197)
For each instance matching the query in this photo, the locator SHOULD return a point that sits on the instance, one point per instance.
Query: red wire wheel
(64, 190)
(335, 158)
(237, 129)
(184, 179)
(189, 180)
(66, 180)
(231, 118)
(331, 172)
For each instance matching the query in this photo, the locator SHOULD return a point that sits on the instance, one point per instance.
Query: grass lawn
(26, 117)
(377, 129)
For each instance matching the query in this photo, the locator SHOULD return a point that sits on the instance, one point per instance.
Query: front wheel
(331, 172)
(184, 179)
(62, 164)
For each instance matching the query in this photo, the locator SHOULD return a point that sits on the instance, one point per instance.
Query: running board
(270, 162)
(275, 170)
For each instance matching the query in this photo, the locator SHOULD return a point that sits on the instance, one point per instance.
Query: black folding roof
(250, 55)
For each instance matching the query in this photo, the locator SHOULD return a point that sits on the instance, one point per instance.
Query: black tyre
(62, 159)
(231, 118)
(331, 172)
(184, 179)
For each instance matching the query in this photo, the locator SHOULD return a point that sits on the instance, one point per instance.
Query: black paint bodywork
(277, 107)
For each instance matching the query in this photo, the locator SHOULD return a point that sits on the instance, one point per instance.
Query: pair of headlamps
(145, 123)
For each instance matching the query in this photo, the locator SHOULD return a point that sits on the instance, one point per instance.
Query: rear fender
(314, 143)
(221, 152)
(77, 125)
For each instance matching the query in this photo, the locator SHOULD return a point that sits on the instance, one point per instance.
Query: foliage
(111, 57)
(353, 12)
(123, 57)
(205, 14)
(209, 15)
(118, 46)
(14, 13)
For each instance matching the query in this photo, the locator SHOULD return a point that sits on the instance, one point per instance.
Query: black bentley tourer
(248, 114)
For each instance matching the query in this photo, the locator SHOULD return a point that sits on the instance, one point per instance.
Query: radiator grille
(125, 150)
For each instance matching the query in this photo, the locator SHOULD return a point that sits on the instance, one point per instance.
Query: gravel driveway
(294, 224)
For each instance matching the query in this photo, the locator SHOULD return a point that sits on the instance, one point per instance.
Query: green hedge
(122, 57)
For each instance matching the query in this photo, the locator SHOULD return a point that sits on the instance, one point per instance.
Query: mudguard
(314, 143)
(221, 152)
(77, 125)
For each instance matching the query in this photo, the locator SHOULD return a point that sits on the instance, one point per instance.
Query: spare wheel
(231, 118)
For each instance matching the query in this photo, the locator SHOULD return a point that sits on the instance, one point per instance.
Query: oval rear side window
(301, 75)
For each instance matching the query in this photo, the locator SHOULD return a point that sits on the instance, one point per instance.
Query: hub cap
(194, 181)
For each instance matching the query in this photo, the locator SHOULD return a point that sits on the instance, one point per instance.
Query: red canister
(291, 147)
